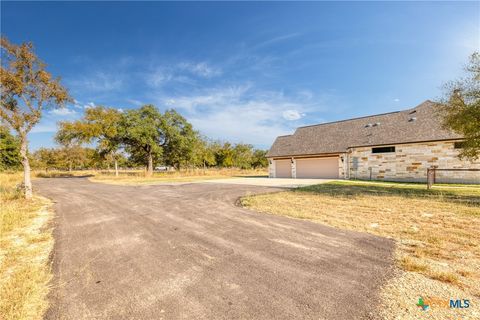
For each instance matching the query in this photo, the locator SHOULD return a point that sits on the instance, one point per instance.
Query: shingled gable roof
(422, 123)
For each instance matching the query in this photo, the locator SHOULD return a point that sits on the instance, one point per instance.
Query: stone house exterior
(396, 146)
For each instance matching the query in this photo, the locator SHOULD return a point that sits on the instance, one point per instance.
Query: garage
(283, 168)
(322, 168)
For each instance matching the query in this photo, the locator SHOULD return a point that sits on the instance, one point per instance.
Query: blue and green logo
(426, 303)
(422, 304)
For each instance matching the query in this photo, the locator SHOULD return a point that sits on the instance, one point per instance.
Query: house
(395, 146)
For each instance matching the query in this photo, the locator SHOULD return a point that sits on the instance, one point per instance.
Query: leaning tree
(27, 90)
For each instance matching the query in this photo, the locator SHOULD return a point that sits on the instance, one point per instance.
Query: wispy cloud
(89, 105)
(99, 81)
(50, 119)
(276, 39)
(210, 98)
(292, 115)
(62, 111)
(158, 77)
(136, 103)
(201, 69)
(241, 113)
(183, 73)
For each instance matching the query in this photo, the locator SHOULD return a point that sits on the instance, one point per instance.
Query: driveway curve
(187, 252)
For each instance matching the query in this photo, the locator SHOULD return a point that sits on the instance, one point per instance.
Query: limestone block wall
(409, 162)
(271, 168)
(342, 166)
(294, 168)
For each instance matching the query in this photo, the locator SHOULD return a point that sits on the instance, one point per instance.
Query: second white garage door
(322, 168)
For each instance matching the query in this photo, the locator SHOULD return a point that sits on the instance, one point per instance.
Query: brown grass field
(25, 244)
(437, 233)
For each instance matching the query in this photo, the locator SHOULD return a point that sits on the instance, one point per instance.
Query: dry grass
(25, 245)
(437, 231)
(136, 177)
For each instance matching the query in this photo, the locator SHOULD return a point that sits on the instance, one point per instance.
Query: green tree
(27, 89)
(9, 149)
(73, 157)
(242, 155)
(224, 154)
(142, 132)
(99, 125)
(462, 108)
(204, 153)
(180, 140)
(68, 158)
(48, 158)
(258, 159)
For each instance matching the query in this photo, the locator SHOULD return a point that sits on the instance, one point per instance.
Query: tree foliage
(143, 134)
(9, 150)
(224, 156)
(100, 125)
(71, 158)
(180, 140)
(462, 111)
(242, 155)
(259, 159)
(203, 153)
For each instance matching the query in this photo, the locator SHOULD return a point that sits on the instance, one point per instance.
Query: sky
(246, 71)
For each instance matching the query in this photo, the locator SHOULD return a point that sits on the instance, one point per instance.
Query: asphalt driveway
(187, 252)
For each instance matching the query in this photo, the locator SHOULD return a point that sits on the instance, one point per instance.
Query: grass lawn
(437, 232)
(25, 245)
(137, 177)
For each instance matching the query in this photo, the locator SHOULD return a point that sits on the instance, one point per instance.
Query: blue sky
(246, 72)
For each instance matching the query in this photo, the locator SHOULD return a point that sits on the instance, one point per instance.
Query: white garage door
(324, 168)
(283, 168)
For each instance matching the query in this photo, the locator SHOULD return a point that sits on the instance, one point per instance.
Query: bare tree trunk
(116, 168)
(27, 183)
(150, 165)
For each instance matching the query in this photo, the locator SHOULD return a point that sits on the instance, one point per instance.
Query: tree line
(104, 128)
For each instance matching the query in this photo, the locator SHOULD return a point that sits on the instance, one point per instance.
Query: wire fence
(433, 173)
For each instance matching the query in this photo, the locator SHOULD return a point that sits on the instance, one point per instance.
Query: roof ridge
(357, 118)
(372, 115)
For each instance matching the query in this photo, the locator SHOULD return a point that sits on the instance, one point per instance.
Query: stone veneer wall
(409, 162)
(271, 168)
(342, 165)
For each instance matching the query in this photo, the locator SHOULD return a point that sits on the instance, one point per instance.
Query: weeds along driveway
(187, 252)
